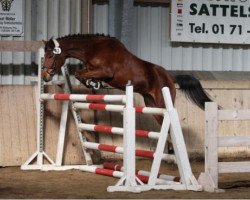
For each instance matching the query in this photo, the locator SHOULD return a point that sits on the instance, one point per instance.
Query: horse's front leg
(91, 76)
(82, 79)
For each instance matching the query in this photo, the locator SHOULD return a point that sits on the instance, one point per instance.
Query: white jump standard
(130, 179)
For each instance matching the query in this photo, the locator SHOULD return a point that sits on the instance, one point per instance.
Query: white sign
(211, 21)
(11, 17)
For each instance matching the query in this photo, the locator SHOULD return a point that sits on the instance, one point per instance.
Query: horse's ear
(44, 42)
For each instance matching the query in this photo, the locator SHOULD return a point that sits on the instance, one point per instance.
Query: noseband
(57, 51)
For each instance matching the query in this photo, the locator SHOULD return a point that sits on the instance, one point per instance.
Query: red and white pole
(116, 167)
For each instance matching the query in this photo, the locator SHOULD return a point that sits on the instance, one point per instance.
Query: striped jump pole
(117, 130)
(120, 150)
(99, 169)
(104, 170)
(118, 108)
(116, 167)
(116, 174)
(83, 97)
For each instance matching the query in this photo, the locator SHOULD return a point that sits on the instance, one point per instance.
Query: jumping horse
(106, 59)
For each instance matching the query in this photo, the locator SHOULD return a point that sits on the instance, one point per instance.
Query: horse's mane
(97, 35)
(50, 44)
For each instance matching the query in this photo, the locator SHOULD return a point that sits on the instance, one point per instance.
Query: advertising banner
(210, 21)
(11, 17)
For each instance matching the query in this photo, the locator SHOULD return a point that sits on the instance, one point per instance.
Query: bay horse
(106, 59)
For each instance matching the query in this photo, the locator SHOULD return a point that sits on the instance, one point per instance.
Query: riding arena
(144, 103)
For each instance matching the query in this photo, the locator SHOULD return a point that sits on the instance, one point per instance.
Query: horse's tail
(193, 90)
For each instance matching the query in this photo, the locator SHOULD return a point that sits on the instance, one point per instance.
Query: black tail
(193, 90)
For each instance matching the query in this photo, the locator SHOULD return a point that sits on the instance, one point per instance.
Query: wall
(42, 20)
(152, 43)
(151, 27)
(18, 123)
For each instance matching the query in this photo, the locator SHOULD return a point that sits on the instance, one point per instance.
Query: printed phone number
(231, 29)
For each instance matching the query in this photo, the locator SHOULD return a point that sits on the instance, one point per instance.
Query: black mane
(50, 44)
(83, 36)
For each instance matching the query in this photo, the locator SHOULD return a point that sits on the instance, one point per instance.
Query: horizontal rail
(119, 108)
(99, 169)
(119, 150)
(83, 97)
(118, 174)
(234, 141)
(117, 130)
(234, 167)
(113, 166)
(226, 115)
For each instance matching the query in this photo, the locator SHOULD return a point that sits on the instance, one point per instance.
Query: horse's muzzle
(46, 76)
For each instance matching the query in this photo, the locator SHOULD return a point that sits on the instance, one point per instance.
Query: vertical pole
(62, 129)
(211, 141)
(40, 155)
(159, 150)
(40, 110)
(128, 181)
(76, 115)
(178, 140)
(129, 138)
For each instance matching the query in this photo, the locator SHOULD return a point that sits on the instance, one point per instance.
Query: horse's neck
(75, 49)
(77, 53)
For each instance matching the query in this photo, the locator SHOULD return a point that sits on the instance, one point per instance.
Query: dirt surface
(74, 184)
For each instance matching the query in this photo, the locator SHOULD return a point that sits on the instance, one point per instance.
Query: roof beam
(152, 2)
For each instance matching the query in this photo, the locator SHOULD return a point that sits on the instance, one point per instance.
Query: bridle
(56, 51)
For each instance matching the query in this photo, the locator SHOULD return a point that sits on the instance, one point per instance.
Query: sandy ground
(74, 184)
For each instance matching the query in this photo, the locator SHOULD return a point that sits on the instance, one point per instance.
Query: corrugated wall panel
(27, 36)
(143, 34)
(245, 59)
(207, 54)
(155, 38)
(227, 56)
(53, 22)
(6, 68)
(153, 29)
(101, 18)
(47, 18)
(18, 65)
(166, 53)
(187, 57)
(42, 20)
(153, 44)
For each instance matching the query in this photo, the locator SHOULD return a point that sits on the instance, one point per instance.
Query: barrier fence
(209, 179)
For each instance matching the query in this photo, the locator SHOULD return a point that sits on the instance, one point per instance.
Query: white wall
(46, 18)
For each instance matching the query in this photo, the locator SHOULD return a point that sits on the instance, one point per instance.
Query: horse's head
(54, 59)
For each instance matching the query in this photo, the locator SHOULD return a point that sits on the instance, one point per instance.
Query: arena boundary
(209, 179)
